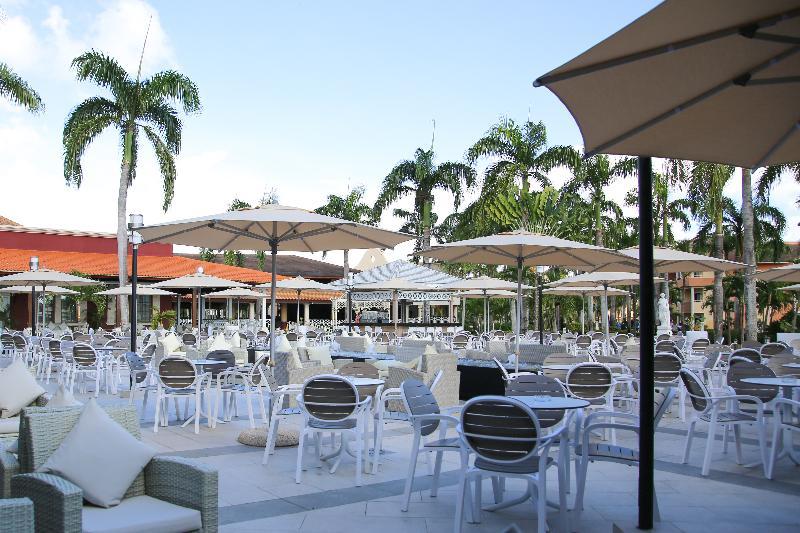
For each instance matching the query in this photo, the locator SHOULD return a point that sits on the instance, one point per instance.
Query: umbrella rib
(745, 30)
(266, 232)
(738, 80)
(310, 233)
(175, 234)
(373, 241)
(775, 147)
(500, 251)
(225, 246)
(292, 228)
(222, 226)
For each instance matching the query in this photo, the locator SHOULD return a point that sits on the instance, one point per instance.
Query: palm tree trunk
(426, 243)
(751, 309)
(122, 236)
(346, 277)
(718, 292)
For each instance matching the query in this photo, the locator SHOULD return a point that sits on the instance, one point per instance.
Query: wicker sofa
(446, 392)
(356, 344)
(58, 504)
(16, 515)
(9, 466)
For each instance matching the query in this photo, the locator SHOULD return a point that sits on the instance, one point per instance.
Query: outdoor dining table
(791, 365)
(787, 386)
(201, 364)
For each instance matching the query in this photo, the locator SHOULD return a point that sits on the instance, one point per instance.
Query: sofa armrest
(57, 503)
(186, 483)
(16, 515)
(9, 467)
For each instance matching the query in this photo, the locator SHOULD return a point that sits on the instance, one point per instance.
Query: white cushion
(18, 388)
(141, 513)
(9, 425)
(236, 340)
(63, 398)
(104, 472)
(219, 343)
(294, 357)
(171, 343)
(430, 349)
(321, 354)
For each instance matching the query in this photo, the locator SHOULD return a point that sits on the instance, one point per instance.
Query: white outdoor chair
(86, 364)
(251, 383)
(178, 378)
(785, 425)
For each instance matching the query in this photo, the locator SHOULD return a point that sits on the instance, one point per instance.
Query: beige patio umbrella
(484, 284)
(788, 273)
(703, 81)
(794, 288)
(198, 280)
(55, 289)
(299, 284)
(523, 248)
(670, 260)
(486, 294)
(272, 227)
(141, 290)
(395, 285)
(583, 292)
(42, 277)
(238, 293)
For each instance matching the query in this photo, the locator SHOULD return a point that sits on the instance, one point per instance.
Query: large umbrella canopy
(54, 289)
(398, 284)
(300, 283)
(141, 290)
(607, 279)
(236, 292)
(702, 81)
(669, 260)
(43, 276)
(795, 287)
(483, 283)
(487, 294)
(788, 273)
(524, 248)
(198, 280)
(532, 249)
(273, 227)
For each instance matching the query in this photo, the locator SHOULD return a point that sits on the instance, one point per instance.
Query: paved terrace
(253, 497)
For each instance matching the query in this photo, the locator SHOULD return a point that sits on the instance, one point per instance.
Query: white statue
(663, 313)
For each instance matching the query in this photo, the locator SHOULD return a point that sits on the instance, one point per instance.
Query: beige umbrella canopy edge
(787, 273)
(141, 290)
(50, 289)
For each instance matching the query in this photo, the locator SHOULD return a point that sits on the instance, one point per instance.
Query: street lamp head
(135, 221)
(135, 238)
(200, 270)
(34, 263)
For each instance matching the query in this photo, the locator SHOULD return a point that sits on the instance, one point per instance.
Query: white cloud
(19, 45)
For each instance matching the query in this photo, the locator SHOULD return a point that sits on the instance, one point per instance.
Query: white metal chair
(86, 364)
(783, 424)
(178, 378)
(248, 382)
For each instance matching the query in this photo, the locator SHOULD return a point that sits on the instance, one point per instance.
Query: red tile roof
(105, 265)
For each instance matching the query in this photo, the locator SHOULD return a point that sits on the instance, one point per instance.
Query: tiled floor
(266, 498)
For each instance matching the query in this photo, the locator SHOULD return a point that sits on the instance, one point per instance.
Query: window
(144, 309)
(698, 296)
(69, 309)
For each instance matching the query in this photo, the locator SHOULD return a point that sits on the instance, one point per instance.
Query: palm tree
(518, 154)
(137, 106)
(705, 195)
(18, 91)
(593, 175)
(350, 207)
(420, 177)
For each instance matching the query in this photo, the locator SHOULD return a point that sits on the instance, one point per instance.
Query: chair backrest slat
(329, 397)
(177, 372)
(589, 381)
(499, 429)
(419, 400)
(536, 385)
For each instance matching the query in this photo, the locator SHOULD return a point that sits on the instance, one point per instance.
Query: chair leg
(249, 409)
(541, 502)
(562, 493)
(268, 448)
(437, 470)
(477, 502)
(689, 435)
(197, 405)
(412, 468)
(773, 456)
(459, 517)
(156, 419)
(359, 453)
(580, 474)
(299, 468)
(737, 437)
(712, 430)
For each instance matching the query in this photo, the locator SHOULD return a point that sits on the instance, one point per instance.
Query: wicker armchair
(9, 464)
(16, 515)
(58, 504)
(446, 392)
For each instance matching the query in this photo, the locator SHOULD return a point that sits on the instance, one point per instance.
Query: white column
(57, 308)
(306, 313)
(264, 306)
(251, 311)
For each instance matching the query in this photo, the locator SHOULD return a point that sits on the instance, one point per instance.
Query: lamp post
(347, 316)
(134, 237)
(33, 264)
(539, 271)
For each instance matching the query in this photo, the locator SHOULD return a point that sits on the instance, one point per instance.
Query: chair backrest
(7, 340)
(700, 345)
(502, 368)
(589, 381)
(83, 354)
(747, 353)
(662, 398)
(665, 346)
(752, 344)
(137, 365)
(176, 372)
(329, 397)
(773, 348)
(597, 336)
(666, 368)
(663, 337)
(742, 369)
(460, 341)
(583, 341)
(537, 385)
(19, 342)
(419, 400)
(361, 370)
(698, 393)
(54, 347)
(500, 430)
(221, 355)
(291, 336)
(260, 372)
(148, 352)
(189, 339)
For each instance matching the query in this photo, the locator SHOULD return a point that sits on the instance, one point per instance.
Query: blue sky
(306, 98)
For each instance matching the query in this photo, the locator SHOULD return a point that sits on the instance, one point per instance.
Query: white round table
(364, 382)
(791, 365)
(551, 402)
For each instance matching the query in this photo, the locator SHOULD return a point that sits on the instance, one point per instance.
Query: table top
(780, 381)
(111, 349)
(792, 365)
(208, 362)
(363, 382)
(551, 402)
(558, 367)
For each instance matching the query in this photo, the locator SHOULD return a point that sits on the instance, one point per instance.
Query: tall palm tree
(350, 207)
(751, 313)
(420, 177)
(593, 175)
(18, 91)
(137, 106)
(705, 194)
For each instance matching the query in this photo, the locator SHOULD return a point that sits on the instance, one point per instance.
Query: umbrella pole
(298, 310)
(238, 314)
(583, 305)
(464, 312)
(539, 310)
(485, 313)
(519, 311)
(199, 312)
(646, 325)
(273, 304)
(33, 310)
(604, 308)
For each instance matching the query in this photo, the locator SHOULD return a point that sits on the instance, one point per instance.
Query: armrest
(9, 467)
(442, 418)
(609, 414)
(57, 503)
(16, 515)
(186, 483)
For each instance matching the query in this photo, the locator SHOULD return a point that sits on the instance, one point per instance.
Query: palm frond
(105, 71)
(166, 163)
(83, 125)
(165, 118)
(18, 90)
(174, 86)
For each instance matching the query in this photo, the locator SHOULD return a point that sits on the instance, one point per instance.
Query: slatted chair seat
(529, 466)
(608, 451)
(348, 423)
(453, 442)
(729, 417)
